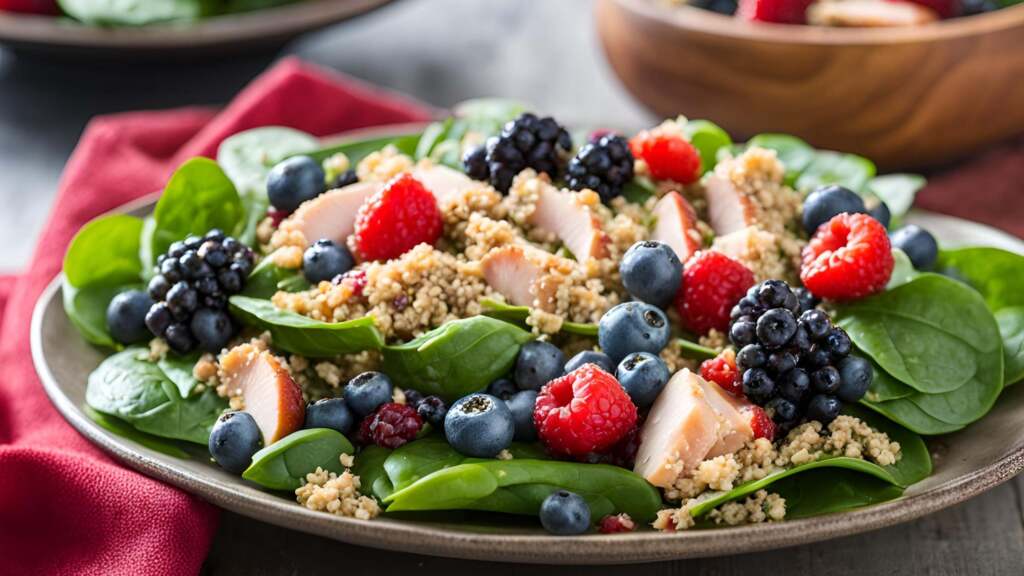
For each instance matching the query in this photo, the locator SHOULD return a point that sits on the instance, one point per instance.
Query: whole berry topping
(590, 357)
(393, 221)
(668, 156)
(758, 385)
(474, 161)
(742, 333)
(918, 244)
(433, 409)
(805, 299)
(479, 425)
(158, 287)
(751, 356)
(761, 423)
(651, 272)
(521, 406)
(584, 411)
(776, 327)
(212, 328)
(879, 211)
(565, 514)
(344, 179)
(778, 11)
(412, 397)
(838, 342)
(712, 284)
(855, 376)
(159, 318)
(126, 316)
(392, 425)
(828, 201)
(849, 257)
(794, 384)
(825, 380)
(293, 181)
(234, 438)
(615, 524)
(537, 364)
(502, 388)
(824, 408)
(782, 409)
(817, 323)
(324, 260)
(179, 338)
(604, 166)
(331, 413)
(722, 371)
(526, 142)
(642, 375)
(632, 327)
(367, 391)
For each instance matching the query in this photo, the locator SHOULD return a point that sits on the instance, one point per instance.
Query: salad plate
(964, 463)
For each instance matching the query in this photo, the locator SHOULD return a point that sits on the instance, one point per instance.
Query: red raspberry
(615, 524)
(393, 425)
(712, 284)
(47, 7)
(356, 280)
(668, 157)
(761, 423)
(848, 257)
(582, 412)
(394, 220)
(722, 371)
(944, 8)
(778, 11)
(276, 216)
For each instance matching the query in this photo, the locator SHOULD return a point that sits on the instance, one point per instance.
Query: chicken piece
(331, 215)
(268, 392)
(729, 209)
(523, 275)
(442, 181)
(676, 225)
(869, 14)
(733, 419)
(566, 215)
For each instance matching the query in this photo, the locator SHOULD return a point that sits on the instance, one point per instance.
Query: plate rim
(412, 537)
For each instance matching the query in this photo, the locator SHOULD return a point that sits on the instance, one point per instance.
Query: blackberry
(526, 142)
(792, 360)
(191, 288)
(604, 166)
(343, 179)
(392, 425)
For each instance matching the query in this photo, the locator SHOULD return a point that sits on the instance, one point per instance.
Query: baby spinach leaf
(829, 167)
(183, 419)
(1011, 327)
(639, 189)
(125, 430)
(293, 283)
(178, 370)
(458, 358)
(897, 191)
(87, 310)
(933, 334)
(198, 197)
(519, 314)
(369, 466)
(708, 138)
(267, 278)
(694, 350)
(794, 153)
(105, 252)
(301, 335)
(885, 387)
(903, 271)
(284, 464)
(830, 490)
(410, 462)
(909, 415)
(126, 385)
(357, 149)
(118, 13)
(994, 272)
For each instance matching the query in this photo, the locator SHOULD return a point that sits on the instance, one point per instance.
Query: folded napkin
(66, 507)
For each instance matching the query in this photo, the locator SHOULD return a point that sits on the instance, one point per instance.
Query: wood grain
(906, 98)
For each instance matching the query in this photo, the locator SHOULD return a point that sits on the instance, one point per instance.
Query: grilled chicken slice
(676, 225)
(331, 215)
(522, 274)
(729, 209)
(269, 393)
(565, 215)
(443, 182)
(733, 419)
(869, 14)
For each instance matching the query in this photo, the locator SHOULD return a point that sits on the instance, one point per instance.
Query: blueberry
(838, 342)
(212, 329)
(826, 380)
(918, 244)
(782, 361)
(521, 405)
(330, 413)
(294, 181)
(817, 323)
(824, 408)
(775, 327)
(800, 342)
(749, 306)
(565, 514)
(158, 318)
(229, 280)
(126, 316)
(235, 437)
(537, 364)
(433, 410)
(807, 300)
(773, 293)
(367, 391)
(817, 356)
(792, 303)
(324, 260)
(158, 287)
(880, 211)
(757, 384)
(590, 357)
(632, 327)
(783, 410)
(751, 356)
(502, 388)
(793, 385)
(479, 425)
(412, 397)
(642, 375)
(651, 272)
(181, 297)
(179, 338)
(855, 375)
(742, 333)
(827, 201)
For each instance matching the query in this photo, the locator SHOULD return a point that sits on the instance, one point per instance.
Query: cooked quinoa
(337, 493)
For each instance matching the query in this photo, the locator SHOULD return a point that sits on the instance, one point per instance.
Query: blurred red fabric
(66, 507)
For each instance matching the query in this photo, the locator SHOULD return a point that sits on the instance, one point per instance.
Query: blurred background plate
(269, 28)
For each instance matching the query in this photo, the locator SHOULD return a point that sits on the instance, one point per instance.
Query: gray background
(442, 51)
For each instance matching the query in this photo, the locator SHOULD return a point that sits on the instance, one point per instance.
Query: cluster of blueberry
(791, 359)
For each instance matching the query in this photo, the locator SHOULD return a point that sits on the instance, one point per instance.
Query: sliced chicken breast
(729, 209)
(565, 215)
(676, 225)
(733, 424)
(521, 274)
(269, 393)
(443, 182)
(331, 215)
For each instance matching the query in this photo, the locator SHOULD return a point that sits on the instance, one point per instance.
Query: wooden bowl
(904, 97)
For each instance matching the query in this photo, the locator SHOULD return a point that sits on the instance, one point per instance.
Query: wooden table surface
(442, 51)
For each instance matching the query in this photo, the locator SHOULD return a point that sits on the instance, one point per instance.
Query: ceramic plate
(967, 463)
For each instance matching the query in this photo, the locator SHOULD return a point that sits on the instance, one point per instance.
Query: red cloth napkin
(66, 507)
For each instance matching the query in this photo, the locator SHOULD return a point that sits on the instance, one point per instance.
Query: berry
(880, 211)
(828, 201)
(526, 142)
(44, 7)
(433, 410)
(722, 371)
(521, 406)
(324, 260)
(974, 7)
(794, 384)
(479, 425)
(642, 375)
(616, 524)
(825, 380)
(758, 385)
(502, 388)
(293, 181)
(823, 408)
(782, 361)
(537, 364)
(742, 333)
(855, 375)
(367, 391)
(604, 166)
(651, 272)
(211, 328)
(817, 323)
(623, 453)
(751, 356)
(761, 423)
(126, 316)
(777, 11)
(343, 179)
(944, 8)
(565, 514)
(234, 438)
(182, 298)
(668, 156)
(158, 318)
(712, 284)
(584, 411)
(805, 299)
(918, 244)
(412, 397)
(392, 425)
(782, 410)
(632, 327)
(590, 357)
(158, 287)
(776, 327)
(849, 257)
(394, 220)
(179, 338)
(330, 413)
(838, 343)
